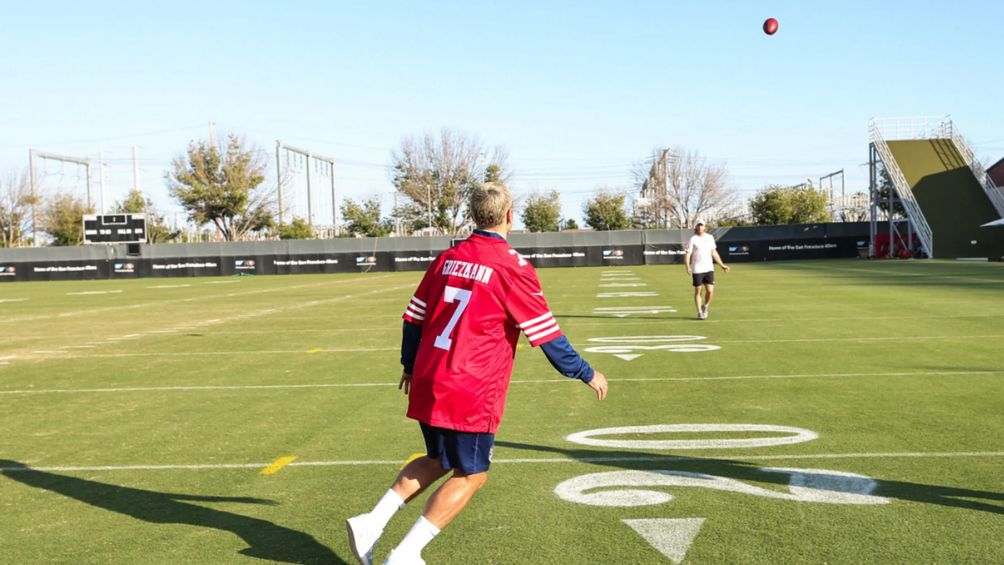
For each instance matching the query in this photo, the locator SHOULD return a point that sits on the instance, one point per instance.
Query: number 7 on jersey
(452, 294)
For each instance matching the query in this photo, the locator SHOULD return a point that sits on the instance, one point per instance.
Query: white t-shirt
(700, 248)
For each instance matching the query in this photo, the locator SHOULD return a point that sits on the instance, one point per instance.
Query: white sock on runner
(386, 508)
(418, 537)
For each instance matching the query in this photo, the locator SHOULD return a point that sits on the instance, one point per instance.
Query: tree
(679, 187)
(223, 186)
(156, 226)
(775, 205)
(542, 212)
(364, 219)
(570, 224)
(437, 175)
(606, 212)
(883, 188)
(15, 209)
(64, 219)
(297, 229)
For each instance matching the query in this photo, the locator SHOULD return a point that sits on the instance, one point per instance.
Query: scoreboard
(114, 228)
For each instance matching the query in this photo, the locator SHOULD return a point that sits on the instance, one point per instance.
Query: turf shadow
(265, 539)
(956, 497)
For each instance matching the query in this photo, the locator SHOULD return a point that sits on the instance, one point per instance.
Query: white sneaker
(700, 313)
(704, 311)
(403, 559)
(362, 537)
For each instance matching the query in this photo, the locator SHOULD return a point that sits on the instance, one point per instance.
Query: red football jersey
(472, 304)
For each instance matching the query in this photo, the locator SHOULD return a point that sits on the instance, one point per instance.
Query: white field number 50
(453, 294)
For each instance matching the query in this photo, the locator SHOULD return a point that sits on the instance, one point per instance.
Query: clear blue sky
(575, 91)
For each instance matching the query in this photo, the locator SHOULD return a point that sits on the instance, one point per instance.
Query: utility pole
(278, 176)
(664, 197)
(397, 220)
(135, 169)
(334, 205)
(103, 181)
(212, 134)
(310, 200)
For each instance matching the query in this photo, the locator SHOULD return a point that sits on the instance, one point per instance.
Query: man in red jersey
(460, 333)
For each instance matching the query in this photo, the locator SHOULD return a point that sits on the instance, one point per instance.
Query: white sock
(386, 508)
(418, 537)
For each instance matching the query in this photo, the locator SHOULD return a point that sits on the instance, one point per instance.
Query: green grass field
(148, 410)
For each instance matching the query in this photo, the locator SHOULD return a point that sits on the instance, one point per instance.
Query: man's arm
(569, 363)
(411, 336)
(718, 259)
(529, 311)
(686, 261)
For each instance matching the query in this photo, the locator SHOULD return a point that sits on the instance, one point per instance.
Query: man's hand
(599, 384)
(725, 267)
(690, 273)
(406, 382)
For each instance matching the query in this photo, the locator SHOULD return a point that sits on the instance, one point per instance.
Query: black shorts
(704, 278)
(466, 452)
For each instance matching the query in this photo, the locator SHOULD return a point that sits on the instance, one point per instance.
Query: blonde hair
(489, 204)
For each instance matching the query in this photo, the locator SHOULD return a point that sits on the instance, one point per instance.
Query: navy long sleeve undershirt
(412, 336)
(566, 360)
(558, 351)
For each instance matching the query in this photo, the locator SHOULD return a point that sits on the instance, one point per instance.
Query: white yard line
(554, 380)
(571, 318)
(196, 353)
(93, 292)
(898, 273)
(3, 300)
(172, 301)
(519, 461)
(874, 338)
(221, 353)
(215, 321)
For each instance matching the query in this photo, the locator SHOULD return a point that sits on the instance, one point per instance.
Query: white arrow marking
(629, 357)
(672, 537)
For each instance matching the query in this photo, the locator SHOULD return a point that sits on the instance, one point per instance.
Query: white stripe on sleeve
(535, 320)
(419, 302)
(537, 336)
(541, 326)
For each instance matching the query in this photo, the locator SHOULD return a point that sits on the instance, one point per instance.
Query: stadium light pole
(309, 157)
(33, 156)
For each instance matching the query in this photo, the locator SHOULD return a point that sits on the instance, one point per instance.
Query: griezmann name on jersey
(472, 304)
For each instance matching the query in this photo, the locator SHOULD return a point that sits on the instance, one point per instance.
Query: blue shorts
(465, 452)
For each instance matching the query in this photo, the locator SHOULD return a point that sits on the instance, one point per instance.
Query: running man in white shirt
(702, 254)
